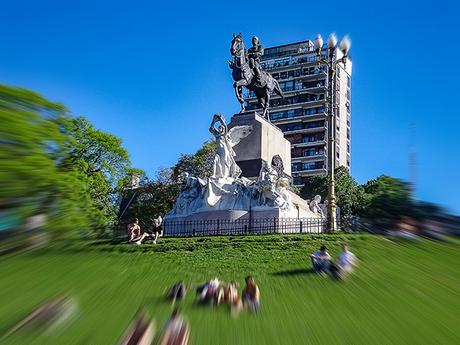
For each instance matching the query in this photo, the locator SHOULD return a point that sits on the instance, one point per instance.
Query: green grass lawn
(401, 293)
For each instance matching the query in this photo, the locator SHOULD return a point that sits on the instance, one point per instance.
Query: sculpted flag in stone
(246, 71)
(224, 161)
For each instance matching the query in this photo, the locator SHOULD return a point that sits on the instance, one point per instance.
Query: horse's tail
(277, 88)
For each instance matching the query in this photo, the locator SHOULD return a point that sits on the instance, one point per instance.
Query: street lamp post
(331, 61)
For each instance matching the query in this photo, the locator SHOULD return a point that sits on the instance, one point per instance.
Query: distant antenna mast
(412, 159)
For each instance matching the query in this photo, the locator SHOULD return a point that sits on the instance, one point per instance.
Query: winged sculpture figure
(224, 162)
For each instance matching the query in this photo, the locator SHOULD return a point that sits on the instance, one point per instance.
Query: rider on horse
(254, 55)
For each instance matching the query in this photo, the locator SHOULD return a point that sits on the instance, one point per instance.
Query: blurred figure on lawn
(210, 292)
(157, 230)
(232, 297)
(345, 263)
(251, 295)
(176, 330)
(321, 260)
(134, 231)
(177, 292)
(141, 331)
(137, 237)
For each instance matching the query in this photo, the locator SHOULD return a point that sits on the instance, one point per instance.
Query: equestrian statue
(247, 72)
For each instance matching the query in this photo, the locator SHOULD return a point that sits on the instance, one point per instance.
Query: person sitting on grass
(251, 295)
(232, 297)
(345, 263)
(155, 232)
(321, 260)
(134, 231)
(176, 330)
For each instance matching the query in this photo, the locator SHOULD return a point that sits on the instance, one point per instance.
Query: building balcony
(307, 158)
(303, 77)
(309, 144)
(300, 118)
(288, 62)
(316, 90)
(305, 130)
(311, 172)
(308, 104)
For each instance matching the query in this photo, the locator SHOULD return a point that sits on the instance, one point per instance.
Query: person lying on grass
(177, 292)
(251, 295)
(210, 292)
(321, 260)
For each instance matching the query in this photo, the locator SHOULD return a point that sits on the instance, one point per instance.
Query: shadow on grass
(295, 272)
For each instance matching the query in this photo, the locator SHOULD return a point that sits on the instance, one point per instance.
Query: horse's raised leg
(238, 87)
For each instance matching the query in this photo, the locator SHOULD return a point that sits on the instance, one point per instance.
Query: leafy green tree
(57, 165)
(103, 165)
(199, 164)
(157, 197)
(386, 199)
(154, 198)
(32, 149)
(314, 185)
(348, 196)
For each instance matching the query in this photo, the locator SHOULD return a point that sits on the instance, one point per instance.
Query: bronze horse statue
(244, 75)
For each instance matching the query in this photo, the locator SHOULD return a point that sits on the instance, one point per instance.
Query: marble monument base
(259, 219)
(265, 141)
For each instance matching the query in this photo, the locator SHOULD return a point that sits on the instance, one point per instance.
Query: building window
(317, 151)
(297, 180)
(312, 165)
(313, 138)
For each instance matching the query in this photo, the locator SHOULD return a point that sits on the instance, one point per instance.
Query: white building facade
(301, 115)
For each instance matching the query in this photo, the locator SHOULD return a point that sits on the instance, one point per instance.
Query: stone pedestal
(265, 141)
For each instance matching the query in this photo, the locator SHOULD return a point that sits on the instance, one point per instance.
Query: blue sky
(153, 73)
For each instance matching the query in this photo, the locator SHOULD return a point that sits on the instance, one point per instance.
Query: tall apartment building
(301, 115)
